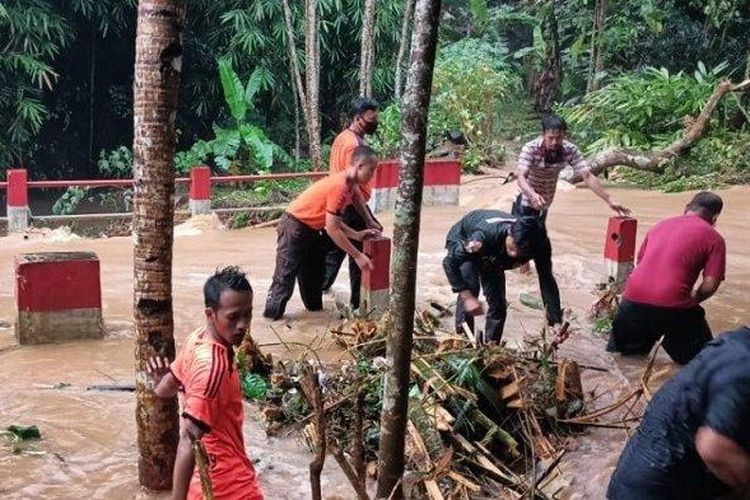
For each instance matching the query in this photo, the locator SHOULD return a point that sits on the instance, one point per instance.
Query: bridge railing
(442, 178)
(200, 184)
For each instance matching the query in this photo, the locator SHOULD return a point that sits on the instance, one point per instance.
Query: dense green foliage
(66, 80)
(472, 80)
(641, 110)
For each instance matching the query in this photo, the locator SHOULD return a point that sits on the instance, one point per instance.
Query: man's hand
(157, 368)
(561, 333)
(366, 234)
(537, 201)
(473, 246)
(374, 224)
(364, 262)
(471, 303)
(621, 210)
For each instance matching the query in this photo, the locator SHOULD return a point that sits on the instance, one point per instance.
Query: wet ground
(89, 437)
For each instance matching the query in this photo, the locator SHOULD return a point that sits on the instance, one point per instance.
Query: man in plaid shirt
(539, 167)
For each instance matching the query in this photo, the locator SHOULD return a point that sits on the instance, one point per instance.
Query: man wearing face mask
(659, 297)
(364, 122)
(481, 247)
(539, 167)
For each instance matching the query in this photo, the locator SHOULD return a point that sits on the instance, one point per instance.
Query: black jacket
(490, 227)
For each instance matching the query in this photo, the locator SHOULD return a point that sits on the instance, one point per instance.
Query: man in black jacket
(694, 439)
(481, 246)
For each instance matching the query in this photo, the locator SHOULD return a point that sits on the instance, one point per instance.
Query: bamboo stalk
(201, 462)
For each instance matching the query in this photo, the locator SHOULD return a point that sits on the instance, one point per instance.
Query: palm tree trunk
(367, 49)
(399, 321)
(402, 46)
(312, 75)
(158, 63)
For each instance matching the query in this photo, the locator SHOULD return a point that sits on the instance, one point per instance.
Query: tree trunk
(597, 58)
(158, 63)
(297, 78)
(92, 80)
(312, 75)
(653, 161)
(367, 49)
(399, 321)
(402, 46)
(546, 87)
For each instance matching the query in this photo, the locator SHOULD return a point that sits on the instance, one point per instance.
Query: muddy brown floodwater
(89, 437)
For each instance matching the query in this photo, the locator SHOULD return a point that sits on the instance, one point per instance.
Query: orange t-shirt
(328, 195)
(208, 377)
(342, 150)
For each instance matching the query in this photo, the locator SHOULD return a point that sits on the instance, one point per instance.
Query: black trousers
(543, 263)
(492, 282)
(335, 257)
(300, 255)
(637, 327)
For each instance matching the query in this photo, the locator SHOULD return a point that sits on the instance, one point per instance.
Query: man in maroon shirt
(659, 298)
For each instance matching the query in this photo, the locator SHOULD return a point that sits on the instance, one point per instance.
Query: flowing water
(89, 437)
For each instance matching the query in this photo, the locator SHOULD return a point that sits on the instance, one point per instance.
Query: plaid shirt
(543, 176)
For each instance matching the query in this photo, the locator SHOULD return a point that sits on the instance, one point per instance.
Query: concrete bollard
(375, 283)
(18, 204)
(442, 181)
(619, 248)
(58, 296)
(200, 190)
(384, 185)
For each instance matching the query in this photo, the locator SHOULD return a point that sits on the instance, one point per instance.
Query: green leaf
(254, 387)
(539, 44)
(578, 45)
(234, 93)
(260, 79)
(25, 433)
(521, 53)
(531, 301)
(479, 11)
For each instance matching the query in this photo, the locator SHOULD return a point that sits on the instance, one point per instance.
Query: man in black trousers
(481, 246)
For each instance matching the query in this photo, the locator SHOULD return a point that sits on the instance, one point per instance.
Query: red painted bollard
(384, 185)
(376, 283)
(58, 297)
(18, 200)
(442, 180)
(619, 248)
(200, 190)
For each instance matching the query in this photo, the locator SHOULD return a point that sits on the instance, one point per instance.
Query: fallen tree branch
(268, 223)
(311, 389)
(653, 161)
(349, 472)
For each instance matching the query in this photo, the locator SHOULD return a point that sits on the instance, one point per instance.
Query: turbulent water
(89, 437)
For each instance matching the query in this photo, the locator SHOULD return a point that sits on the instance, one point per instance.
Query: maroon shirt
(671, 257)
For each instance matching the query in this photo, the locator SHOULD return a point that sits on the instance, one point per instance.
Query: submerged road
(89, 438)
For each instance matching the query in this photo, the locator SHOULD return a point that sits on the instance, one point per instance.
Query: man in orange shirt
(364, 116)
(206, 372)
(310, 226)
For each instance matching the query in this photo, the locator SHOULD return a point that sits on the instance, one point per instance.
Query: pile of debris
(483, 420)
